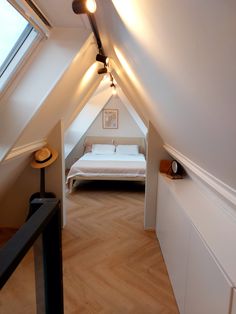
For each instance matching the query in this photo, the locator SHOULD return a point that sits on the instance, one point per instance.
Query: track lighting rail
(81, 7)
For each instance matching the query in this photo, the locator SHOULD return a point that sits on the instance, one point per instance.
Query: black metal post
(48, 265)
(52, 256)
(42, 182)
(39, 276)
(43, 229)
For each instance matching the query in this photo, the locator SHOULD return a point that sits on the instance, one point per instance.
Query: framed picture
(110, 119)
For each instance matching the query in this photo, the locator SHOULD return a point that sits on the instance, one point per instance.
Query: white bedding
(112, 165)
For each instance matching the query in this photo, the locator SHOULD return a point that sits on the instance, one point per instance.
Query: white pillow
(103, 149)
(127, 149)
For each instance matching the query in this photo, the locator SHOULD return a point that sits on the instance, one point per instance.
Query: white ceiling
(60, 14)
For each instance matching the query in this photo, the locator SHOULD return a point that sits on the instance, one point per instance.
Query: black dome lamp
(101, 58)
(102, 70)
(84, 6)
(88, 7)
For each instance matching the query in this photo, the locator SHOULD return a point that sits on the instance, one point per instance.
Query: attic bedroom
(161, 244)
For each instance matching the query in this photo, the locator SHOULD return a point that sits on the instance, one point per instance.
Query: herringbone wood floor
(111, 265)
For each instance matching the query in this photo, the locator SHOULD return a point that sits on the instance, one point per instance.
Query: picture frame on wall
(110, 119)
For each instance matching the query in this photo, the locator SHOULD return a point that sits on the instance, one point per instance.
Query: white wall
(127, 127)
(176, 61)
(155, 152)
(14, 203)
(76, 152)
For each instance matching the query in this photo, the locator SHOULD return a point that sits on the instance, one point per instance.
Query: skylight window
(16, 36)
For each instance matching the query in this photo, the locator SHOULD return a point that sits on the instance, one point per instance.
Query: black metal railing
(43, 232)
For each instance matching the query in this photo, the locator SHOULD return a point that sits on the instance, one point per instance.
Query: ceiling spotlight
(113, 86)
(102, 70)
(114, 92)
(84, 6)
(102, 58)
(91, 5)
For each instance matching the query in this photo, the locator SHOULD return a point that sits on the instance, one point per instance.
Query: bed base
(97, 178)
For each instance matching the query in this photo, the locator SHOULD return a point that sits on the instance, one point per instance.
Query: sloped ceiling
(127, 126)
(85, 118)
(176, 62)
(42, 97)
(69, 94)
(36, 82)
(132, 111)
(60, 14)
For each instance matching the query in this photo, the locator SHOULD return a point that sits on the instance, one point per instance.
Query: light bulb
(107, 61)
(114, 91)
(91, 5)
(106, 77)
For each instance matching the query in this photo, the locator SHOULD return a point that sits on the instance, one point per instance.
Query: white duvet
(111, 165)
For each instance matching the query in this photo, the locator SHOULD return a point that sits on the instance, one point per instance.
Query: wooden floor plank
(111, 265)
(116, 265)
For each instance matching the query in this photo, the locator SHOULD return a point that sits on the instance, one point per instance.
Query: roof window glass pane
(17, 37)
(12, 26)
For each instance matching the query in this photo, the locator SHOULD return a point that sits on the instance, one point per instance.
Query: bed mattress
(114, 165)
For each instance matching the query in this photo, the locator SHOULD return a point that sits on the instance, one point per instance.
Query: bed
(110, 159)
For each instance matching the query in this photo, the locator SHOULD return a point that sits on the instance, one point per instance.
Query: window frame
(19, 54)
(16, 48)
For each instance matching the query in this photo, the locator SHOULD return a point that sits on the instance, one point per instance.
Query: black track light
(113, 86)
(102, 58)
(102, 70)
(84, 6)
